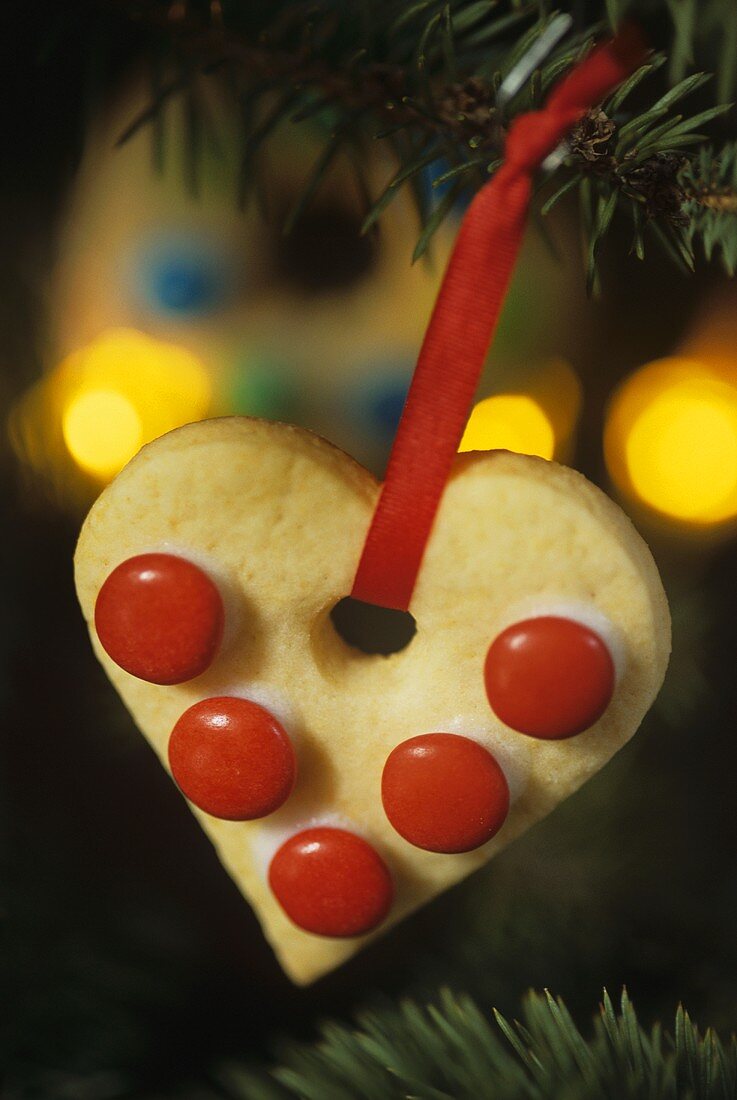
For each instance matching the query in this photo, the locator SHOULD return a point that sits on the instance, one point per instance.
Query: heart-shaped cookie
(341, 789)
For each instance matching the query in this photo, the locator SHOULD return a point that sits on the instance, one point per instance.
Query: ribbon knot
(532, 137)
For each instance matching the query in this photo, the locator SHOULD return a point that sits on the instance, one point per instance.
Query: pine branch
(423, 77)
(710, 184)
(637, 165)
(451, 1051)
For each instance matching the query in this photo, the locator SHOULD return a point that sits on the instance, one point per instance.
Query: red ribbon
(462, 326)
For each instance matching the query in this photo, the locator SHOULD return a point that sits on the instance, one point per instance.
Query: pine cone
(657, 183)
(590, 136)
(468, 107)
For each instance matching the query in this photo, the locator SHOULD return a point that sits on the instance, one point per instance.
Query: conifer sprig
(450, 1050)
(422, 77)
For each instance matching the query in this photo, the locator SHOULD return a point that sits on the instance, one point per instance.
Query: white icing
(536, 607)
(270, 699)
(276, 703)
(513, 757)
(229, 591)
(272, 834)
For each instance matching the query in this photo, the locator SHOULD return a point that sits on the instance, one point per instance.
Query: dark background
(133, 966)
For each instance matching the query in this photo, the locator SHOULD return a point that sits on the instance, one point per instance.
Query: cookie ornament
(341, 788)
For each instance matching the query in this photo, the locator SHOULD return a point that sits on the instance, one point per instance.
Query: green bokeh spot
(264, 388)
(529, 311)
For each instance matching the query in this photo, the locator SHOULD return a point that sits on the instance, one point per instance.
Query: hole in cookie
(372, 629)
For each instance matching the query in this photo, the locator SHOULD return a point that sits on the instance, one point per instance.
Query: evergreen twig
(451, 1051)
(427, 72)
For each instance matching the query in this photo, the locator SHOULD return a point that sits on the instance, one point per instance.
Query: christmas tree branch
(422, 77)
(710, 185)
(451, 1051)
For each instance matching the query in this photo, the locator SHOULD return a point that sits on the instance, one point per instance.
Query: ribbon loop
(461, 328)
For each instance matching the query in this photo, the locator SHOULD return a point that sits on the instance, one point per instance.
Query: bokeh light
(671, 441)
(511, 422)
(261, 385)
(374, 398)
(101, 430)
(182, 273)
(121, 391)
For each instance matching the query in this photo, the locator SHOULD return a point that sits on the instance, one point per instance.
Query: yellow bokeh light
(101, 430)
(682, 452)
(123, 390)
(509, 422)
(671, 441)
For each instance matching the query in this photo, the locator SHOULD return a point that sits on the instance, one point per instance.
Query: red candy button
(232, 758)
(160, 618)
(549, 677)
(331, 882)
(444, 793)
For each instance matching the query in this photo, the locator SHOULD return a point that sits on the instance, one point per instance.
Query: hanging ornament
(344, 787)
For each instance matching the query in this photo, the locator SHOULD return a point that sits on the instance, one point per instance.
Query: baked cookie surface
(276, 518)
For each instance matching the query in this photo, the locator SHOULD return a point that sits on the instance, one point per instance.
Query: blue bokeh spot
(387, 410)
(183, 285)
(383, 404)
(183, 276)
